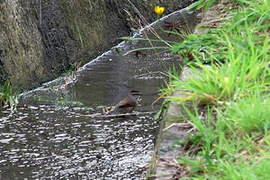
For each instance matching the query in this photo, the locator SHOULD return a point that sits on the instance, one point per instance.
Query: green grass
(250, 114)
(7, 95)
(72, 68)
(241, 72)
(234, 144)
(230, 84)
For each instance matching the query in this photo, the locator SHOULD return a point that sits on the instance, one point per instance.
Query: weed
(73, 67)
(7, 95)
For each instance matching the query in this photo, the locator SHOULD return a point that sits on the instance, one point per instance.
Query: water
(54, 135)
(64, 142)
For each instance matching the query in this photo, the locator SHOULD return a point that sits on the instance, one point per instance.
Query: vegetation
(73, 67)
(7, 95)
(230, 88)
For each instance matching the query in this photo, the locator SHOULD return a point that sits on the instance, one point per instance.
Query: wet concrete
(52, 134)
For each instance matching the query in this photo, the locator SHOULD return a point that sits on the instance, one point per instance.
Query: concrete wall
(39, 39)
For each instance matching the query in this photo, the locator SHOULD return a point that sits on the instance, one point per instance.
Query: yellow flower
(159, 10)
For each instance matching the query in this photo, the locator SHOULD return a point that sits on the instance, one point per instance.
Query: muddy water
(54, 135)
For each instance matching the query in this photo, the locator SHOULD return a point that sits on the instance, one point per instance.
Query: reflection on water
(43, 139)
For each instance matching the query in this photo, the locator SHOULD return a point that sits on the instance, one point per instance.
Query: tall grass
(240, 66)
(231, 79)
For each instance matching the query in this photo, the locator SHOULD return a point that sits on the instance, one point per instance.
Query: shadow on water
(51, 135)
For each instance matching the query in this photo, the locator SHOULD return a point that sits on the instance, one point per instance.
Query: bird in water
(128, 104)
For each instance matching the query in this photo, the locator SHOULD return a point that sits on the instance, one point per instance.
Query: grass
(231, 81)
(73, 67)
(7, 95)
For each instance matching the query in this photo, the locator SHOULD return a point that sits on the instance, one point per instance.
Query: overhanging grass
(232, 139)
(239, 65)
(241, 73)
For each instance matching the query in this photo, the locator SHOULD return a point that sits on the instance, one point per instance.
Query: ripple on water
(73, 146)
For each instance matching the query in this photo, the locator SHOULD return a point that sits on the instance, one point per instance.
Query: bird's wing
(123, 104)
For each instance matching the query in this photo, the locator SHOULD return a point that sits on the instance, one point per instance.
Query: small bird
(128, 104)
